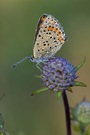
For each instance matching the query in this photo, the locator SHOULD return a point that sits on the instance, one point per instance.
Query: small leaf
(69, 89)
(58, 94)
(39, 91)
(76, 126)
(76, 83)
(80, 65)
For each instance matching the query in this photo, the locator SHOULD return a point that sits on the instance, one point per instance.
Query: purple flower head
(58, 74)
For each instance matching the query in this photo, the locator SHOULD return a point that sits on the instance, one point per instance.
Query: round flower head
(81, 112)
(58, 74)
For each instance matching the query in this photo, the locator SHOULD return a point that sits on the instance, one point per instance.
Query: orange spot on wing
(55, 30)
(59, 34)
(43, 18)
(40, 25)
(61, 39)
(41, 21)
(50, 28)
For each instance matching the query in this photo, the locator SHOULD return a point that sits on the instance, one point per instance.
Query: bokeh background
(40, 114)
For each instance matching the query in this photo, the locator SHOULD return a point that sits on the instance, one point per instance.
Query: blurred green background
(41, 114)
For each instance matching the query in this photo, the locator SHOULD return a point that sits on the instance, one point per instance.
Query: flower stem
(67, 113)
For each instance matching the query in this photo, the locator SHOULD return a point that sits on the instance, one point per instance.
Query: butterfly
(49, 38)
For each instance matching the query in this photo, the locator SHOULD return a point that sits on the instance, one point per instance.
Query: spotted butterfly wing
(49, 37)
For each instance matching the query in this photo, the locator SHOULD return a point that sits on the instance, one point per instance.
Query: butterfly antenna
(14, 65)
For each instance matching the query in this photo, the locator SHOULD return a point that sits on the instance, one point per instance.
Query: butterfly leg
(38, 66)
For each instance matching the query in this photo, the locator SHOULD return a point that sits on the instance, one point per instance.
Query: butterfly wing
(49, 37)
(39, 25)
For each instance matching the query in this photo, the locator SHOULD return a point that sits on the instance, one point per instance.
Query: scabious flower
(80, 116)
(59, 75)
(81, 113)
